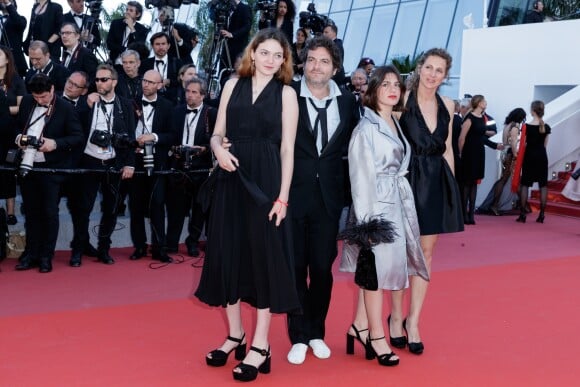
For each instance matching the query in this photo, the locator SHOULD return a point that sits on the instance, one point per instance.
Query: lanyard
(107, 116)
(145, 129)
(188, 125)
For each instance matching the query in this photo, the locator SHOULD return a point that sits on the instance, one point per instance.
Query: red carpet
(502, 311)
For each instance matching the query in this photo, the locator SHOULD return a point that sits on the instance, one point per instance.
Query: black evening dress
(535, 165)
(434, 187)
(247, 256)
(473, 153)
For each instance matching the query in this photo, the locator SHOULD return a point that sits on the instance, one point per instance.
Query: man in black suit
(42, 63)
(327, 117)
(166, 65)
(75, 57)
(86, 23)
(237, 33)
(331, 32)
(194, 122)
(111, 128)
(126, 31)
(44, 116)
(155, 135)
(536, 14)
(12, 26)
(129, 83)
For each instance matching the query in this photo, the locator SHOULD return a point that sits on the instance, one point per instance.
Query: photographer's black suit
(40, 190)
(57, 73)
(115, 42)
(182, 195)
(83, 59)
(123, 123)
(147, 193)
(239, 26)
(173, 65)
(14, 27)
(317, 199)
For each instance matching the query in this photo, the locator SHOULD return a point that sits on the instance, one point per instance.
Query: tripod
(217, 61)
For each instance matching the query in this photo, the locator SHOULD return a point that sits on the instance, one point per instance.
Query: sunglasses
(103, 79)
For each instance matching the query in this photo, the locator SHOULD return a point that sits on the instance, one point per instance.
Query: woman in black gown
(535, 165)
(248, 255)
(472, 154)
(427, 125)
(45, 23)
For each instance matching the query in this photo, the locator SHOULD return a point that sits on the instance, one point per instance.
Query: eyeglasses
(77, 86)
(148, 82)
(65, 33)
(103, 79)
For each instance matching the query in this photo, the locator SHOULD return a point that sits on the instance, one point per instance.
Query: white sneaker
(297, 353)
(319, 348)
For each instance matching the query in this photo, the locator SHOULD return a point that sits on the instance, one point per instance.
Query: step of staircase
(560, 208)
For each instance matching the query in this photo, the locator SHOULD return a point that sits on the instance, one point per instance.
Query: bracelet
(281, 202)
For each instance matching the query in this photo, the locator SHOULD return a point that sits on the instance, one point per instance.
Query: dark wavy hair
(324, 42)
(285, 73)
(370, 98)
(291, 13)
(517, 115)
(10, 68)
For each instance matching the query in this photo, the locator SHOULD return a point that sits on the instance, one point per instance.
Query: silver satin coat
(378, 164)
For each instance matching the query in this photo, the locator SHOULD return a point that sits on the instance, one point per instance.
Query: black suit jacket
(203, 131)
(87, 19)
(129, 88)
(327, 169)
(63, 126)
(45, 25)
(115, 37)
(83, 112)
(239, 26)
(12, 37)
(163, 127)
(173, 65)
(83, 60)
(57, 72)
(123, 123)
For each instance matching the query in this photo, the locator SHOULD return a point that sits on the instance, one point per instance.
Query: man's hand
(226, 34)
(92, 99)
(127, 173)
(148, 137)
(49, 145)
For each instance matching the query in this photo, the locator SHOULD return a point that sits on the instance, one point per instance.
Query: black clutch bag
(14, 156)
(365, 275)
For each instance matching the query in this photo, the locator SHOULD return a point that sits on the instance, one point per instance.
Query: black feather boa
(369, 233)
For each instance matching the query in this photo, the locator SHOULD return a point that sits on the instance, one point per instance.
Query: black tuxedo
(86, 21)
(123, 123)
(239, 26)
(57, 73)
(115, 41)
(44, 26)
(14, 27)
(317, 199)
(82, 59)
(129, 88)
(173, 65)
(185, 49)
(147, 193)
(40, 191)
(182, 195)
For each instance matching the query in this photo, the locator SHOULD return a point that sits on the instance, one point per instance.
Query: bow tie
(78, 15)
(158, 62)
(147, 103)
(74, 103)
(107, 103)
(194, 111)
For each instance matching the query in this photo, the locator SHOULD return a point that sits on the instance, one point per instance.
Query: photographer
(330, 31)
(51, 130)
(282, 17)
(166, 65)
(126, 31)
(42, 62)
(194, 123)
(155, 135)
(12, 26)
(180, 35)
(86, 23)
(75, 57)
(112, 128)
(237, 32)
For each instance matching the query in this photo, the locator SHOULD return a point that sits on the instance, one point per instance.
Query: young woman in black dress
(248, 255)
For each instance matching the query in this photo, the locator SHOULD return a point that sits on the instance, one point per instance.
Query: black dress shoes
(171, 250)
(105, 258)
(192, 250)
(75, 258)
(45, 265)
(163, 257)
(26, 262)
(90, 251)
(139, 253)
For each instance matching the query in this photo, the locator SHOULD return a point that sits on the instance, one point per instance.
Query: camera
(219, 12)
(268, 9)
(123, 141)
(31, 141)
(185, 154)
(95, 7)
(101, 138)
(168, 3)
(312, 20)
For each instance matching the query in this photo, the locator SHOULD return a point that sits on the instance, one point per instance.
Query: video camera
(268, 8)
(219, 12)
(95, 7)
(312, 20)
(168, 3)
(185, 154)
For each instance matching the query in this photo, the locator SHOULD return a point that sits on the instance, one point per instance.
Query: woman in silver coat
(378, 158)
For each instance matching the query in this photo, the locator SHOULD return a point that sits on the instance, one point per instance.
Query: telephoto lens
(148, 159)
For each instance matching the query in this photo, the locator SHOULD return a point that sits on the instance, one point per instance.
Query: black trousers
(85, 197)
(41, 196)
(147, 199)
(314, 253)
(182, 199)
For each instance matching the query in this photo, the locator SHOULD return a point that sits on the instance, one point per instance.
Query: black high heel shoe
(415, 348)
(540, 218)
(350, 340)
(219, 358)
(397, 342)
(385, 359)
(521, 218)
(249, 372)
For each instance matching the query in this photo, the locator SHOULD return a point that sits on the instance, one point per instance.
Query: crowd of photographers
(136, 124)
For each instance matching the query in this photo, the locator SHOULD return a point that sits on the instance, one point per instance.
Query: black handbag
(14, 156)
(365, 275)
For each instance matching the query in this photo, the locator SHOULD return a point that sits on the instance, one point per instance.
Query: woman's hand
(226, 160)
(280, 209)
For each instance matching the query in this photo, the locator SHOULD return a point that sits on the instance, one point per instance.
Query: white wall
(513, 65)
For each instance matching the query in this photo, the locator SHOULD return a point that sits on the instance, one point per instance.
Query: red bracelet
(281, 202)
